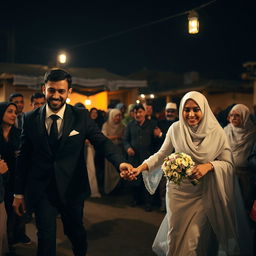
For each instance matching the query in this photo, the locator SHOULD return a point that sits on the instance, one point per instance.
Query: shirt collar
(60, 113)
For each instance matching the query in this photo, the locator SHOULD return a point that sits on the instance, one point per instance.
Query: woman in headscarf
(90, 160)
(9, 141)
(114, 130)
(129, 115)
(241, 133)
(200, 219)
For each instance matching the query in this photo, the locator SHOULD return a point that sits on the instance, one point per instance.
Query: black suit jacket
(36, 164)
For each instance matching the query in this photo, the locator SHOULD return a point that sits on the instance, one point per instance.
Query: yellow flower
(174, 166)
(178, 161)
(185, 162)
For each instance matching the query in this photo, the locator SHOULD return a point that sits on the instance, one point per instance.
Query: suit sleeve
(101, 142)
(22, 160)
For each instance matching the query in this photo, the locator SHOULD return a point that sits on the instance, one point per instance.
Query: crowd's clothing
(1, 188)
(8, 151)
(241, 140)
(209, 214)
(163, 125)
(57, 181)
(3, 220)
(111, 176)
(3, 228)
(252, 167)
(127, 117)
(141, 139)
(90, 165)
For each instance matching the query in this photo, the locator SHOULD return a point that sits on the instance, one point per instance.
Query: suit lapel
(67, 125)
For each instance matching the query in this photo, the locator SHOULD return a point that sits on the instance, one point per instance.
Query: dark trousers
(15, 223)
(72, 218)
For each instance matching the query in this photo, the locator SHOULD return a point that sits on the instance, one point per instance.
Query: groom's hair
(56, 75)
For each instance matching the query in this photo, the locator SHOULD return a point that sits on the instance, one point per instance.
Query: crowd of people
(56, 155)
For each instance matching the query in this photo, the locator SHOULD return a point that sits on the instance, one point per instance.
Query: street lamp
(62, 59)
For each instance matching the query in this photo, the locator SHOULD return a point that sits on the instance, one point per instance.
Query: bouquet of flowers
(177, 167)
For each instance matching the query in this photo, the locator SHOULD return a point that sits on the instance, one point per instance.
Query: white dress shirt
(48, 120)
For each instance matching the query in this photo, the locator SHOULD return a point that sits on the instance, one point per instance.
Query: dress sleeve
(155, 161)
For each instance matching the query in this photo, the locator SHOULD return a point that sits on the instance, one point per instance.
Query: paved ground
(114, 229)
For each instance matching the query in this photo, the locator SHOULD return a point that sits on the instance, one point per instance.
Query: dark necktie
(19, 119)
(53, 135)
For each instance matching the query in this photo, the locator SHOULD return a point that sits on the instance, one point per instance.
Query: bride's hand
(200, 170)
(135, 172)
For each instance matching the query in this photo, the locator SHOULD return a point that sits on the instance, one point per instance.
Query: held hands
(200, 170)
(127, 171)
(131, 174)
(3, 167)
(19, 206)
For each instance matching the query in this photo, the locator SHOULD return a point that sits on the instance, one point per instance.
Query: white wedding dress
(195, 223)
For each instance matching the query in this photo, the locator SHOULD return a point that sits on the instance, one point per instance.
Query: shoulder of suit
(78, 111)
(33, 112)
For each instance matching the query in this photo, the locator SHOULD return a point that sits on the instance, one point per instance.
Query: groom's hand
(126, 171)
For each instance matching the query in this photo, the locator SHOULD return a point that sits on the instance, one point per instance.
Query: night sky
(226, 39)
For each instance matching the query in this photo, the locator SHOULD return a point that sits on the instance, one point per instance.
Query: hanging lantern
(193, 22)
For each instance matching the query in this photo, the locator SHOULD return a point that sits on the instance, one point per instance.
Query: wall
(221, 101)
(99, 100)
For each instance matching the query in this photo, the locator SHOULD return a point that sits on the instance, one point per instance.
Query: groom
(51, 169)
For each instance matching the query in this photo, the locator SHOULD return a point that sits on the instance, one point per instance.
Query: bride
(205, 219)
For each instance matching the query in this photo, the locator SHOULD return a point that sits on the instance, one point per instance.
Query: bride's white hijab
(211, 137)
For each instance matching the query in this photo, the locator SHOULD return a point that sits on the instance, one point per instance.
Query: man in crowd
(18, 99)
(140, 143)
(150, 115)
(51, 169)
(37, 100)
(171, 116)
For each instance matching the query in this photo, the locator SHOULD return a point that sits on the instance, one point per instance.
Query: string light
(62, 58)
(193, 22)
(142, 26)
(88, 102)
